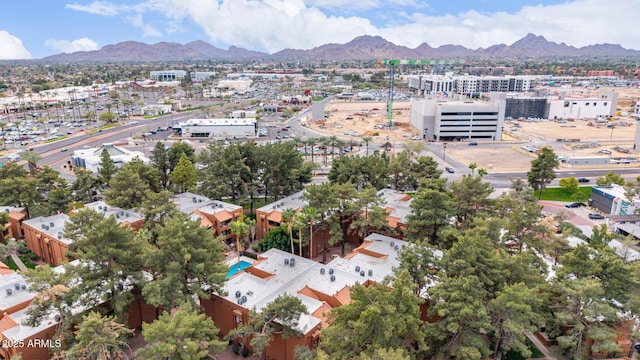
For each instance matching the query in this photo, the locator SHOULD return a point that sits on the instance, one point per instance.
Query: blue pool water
(234, 268)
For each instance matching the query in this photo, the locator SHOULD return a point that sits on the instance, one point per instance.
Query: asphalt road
(52, 155)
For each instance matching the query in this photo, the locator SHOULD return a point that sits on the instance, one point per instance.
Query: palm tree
(309, 216)
(325, 143)
(367, 140)
(32, 159)
(287, 217)
(473, 166)
(240, 228)
(339, 143)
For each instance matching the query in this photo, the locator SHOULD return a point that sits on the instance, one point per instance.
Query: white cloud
(66, 46)
(11, 47)
(149, 30)
(273, 25)
(97, 8)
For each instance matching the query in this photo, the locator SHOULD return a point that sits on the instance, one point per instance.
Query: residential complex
(468, 84)
(13, 229)
(319, 287)
(214, 214)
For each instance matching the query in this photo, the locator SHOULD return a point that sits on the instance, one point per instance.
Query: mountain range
(361, 48)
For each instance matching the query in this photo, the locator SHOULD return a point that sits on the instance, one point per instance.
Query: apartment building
(397, 204)
(269, 216)
(35, 341)
(214, 214)
(13, 229)
(471, 85)
(44, 238)
(319, 287)
(44, 235)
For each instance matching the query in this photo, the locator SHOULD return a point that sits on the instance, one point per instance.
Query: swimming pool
(234, 267)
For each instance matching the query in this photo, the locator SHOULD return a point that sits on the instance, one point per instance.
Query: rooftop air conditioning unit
(9, 292)
(51, 224)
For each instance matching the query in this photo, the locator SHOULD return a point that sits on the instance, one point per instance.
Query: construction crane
(392, 63)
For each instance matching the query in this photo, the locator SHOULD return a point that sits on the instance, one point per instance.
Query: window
(586, 104)
(604, 104)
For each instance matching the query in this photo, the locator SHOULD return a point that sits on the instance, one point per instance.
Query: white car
(406, 135)
(416, 138)
(13, 157)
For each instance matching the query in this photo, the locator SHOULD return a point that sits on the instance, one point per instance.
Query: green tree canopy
(186, 334)
(542, 170)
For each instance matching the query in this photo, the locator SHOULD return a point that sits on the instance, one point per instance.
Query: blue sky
(32, 29)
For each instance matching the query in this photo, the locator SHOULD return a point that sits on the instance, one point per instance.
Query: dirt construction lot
(354, 120)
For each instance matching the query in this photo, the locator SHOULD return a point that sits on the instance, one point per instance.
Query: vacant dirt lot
(354, 120)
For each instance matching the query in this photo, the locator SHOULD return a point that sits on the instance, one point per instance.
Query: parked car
(449, 169)
(417, 138)
(573, 205)
(473, 143)
(583, 180)
(596, 216)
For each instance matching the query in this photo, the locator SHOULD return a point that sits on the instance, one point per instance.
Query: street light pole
(444, 153)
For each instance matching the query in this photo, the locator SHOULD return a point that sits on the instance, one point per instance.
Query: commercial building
(214, 214)
(612, 200)
(156, 109)
(13, 229)
(202, 75)
(167, 75)
(574, 107)
(242, 114)
(90, 158)
(240, 85)
(451, 119)
(319, 287)
(217, 128)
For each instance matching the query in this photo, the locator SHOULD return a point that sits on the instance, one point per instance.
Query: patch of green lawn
(559, 194)
(12, 265)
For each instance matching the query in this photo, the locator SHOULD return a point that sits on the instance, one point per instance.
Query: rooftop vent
(321, 271)
(333, 278)
(362, 273)
(357, 268)
(44, 226)
(244, 299)
(286, 261)
(100, 207)
(104, 208)
(396, 248)
(238, 294)
(392, 243)
(370, 272)
(59, 234)
(199, 200)
(51, 224)
(58, 318)
(292, 262)
(23, 287)
(9, 292)
(17, 286)
(330, 271)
